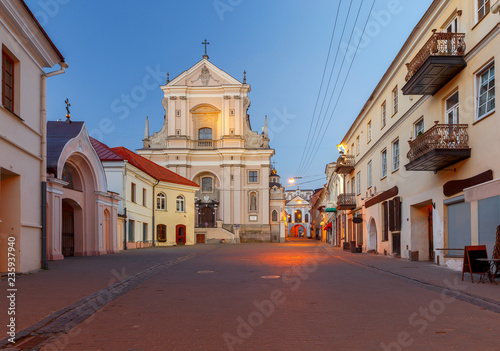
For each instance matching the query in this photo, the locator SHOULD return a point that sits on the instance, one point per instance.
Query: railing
(345, 161)
(346, 200)
(440, 136)
(205, 144)
(439, 44)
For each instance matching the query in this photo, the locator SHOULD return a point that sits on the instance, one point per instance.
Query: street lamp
(292, 180)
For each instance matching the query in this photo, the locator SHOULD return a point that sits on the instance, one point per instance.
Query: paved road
(294, 296)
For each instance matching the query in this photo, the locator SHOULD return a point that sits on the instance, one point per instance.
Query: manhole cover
(270, 276)
(205, 272)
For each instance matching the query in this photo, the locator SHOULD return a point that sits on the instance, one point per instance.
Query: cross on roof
(205, 43)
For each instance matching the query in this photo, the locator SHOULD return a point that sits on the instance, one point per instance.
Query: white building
(297, 212)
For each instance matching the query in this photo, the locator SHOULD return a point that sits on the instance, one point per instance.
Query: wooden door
(207, 217)
(180, 231)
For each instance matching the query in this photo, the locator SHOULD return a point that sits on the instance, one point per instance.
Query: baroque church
(207, 137)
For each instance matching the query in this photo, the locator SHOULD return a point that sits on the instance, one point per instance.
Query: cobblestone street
(295, 296)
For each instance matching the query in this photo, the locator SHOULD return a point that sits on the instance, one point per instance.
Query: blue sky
(124, 48)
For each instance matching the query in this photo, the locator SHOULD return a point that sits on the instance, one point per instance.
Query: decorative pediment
(297, 201)
(204, 74)
(204, 109)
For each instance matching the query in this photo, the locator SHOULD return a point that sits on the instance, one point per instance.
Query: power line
(310, 144)
(313, 144)
(321, 85)
(342, 88)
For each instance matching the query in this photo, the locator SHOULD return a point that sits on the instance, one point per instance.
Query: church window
(205, 134)
(253, 202)
(289, 218)
(252, 177)
(274, 216)
(161, 233)
(161, 201)
(206, 185)
(180, 204)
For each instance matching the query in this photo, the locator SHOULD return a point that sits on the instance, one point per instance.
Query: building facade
(156, 206)
(421, 153)
(277, 204)
(207, 138)
(23, 134)
(298, 205)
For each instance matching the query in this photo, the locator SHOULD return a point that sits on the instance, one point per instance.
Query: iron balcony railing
(345, 164)
(346, 200)
(440, 136)
(439, 44)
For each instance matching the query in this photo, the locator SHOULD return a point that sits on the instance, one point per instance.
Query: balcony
(346, 202)
(205, 144)
(441, 146)
(438, 62)
(345, 164)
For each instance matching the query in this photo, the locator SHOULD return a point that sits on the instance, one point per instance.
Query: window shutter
(392, 226)
(386, 220)
(397, 214)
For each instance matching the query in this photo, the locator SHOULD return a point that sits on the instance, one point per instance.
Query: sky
(120, 51)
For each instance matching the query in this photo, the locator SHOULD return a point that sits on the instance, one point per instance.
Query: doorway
(68, 230)
(180, 234)
(207, 217)
(372, 241)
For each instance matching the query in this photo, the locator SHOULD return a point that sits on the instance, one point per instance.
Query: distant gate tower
(206, 137)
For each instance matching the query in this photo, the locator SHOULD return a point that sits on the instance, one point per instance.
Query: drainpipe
(124, 197)
(153, 229)
(43, 145)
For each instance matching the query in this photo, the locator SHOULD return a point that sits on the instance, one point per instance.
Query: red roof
(104, 151)
(156, 171)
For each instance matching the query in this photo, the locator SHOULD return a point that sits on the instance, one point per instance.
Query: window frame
(252, 176)
(144, 197)
(486, 4)
(161, 229)
(274, 216)
(205, 129)
(395, 101)
(7, 57)
(369, 169)
(383, 114)
(357, 145)
(211, 185)
(358, 183)
(394, 168)
(159, 199)
(383, 163)
(180, 204)
(133, 189)
(486, 69)
(369, 131)
(415, 125)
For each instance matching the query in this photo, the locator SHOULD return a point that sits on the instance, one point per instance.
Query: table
(493, 269)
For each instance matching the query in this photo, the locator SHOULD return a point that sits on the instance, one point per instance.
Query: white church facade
(206, 137)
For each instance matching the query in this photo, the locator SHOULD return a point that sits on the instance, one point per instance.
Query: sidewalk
(423, 272)
(42, 293)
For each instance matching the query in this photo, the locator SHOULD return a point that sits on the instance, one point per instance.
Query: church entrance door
(207, 217)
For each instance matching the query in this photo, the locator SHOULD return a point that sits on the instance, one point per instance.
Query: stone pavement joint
(62, 321)
(482, 302)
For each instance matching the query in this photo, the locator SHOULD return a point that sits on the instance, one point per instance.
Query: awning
(328, 226)
(331, 209)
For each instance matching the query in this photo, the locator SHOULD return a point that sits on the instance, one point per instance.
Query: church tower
(207, 138)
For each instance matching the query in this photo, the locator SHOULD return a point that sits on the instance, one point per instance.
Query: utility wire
(310, 142)
(342, 88)
(321, 86)
(313, 144)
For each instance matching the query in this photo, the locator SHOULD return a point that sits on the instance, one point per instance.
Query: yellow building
(157, 205)
(422, 155)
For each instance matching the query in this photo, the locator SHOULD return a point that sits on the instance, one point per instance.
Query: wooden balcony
(441, 146)
(346, 202)
(345, 164)
(438, 62)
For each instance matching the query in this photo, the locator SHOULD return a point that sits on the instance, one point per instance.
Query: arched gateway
(82, 214)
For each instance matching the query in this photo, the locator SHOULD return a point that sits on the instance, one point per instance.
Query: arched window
(274, 217)
(306, 218)
(205, 134)
(180, 204)
(289, 218)
(206, 184)
(161, 233)
(298, 216)
(253, 202)
(161, 201)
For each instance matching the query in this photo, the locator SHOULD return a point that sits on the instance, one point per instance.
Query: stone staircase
(215, 235)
